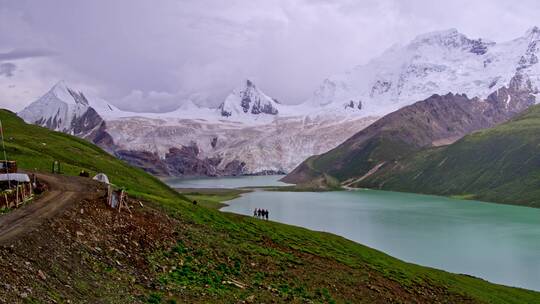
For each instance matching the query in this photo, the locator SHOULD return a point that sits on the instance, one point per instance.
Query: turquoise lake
(499, 243)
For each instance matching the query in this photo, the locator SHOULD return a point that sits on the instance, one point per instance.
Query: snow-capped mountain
(248, 100)
(68, 110)
(433, 63)
(258, 135)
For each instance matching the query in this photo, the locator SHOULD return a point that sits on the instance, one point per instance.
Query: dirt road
(63, 191)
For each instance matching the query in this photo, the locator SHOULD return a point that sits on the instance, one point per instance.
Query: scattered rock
(42, 275)
(235, 283)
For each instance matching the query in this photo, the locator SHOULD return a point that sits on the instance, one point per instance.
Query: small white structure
(101, 177)
(16, 189)
(15, 177)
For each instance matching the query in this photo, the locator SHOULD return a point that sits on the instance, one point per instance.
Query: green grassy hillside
(275, 263)
(501, 164)
(35, 148)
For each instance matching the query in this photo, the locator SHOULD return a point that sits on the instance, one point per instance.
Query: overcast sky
(153, 55)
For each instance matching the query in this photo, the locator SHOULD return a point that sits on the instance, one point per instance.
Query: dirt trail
(63, 190)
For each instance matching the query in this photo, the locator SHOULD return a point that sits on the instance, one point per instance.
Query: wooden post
(120, 200)
(17, 195)
(123, 201)
(109, 196)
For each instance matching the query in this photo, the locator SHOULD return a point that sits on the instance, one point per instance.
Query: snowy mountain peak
(68, 110)
(248, 100)
(433, 63)
(533, 32)
(450, 39)
(70, 96)
(438, 36)
(61, 85)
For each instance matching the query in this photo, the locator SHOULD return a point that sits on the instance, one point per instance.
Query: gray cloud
(7, 69)
(25, 53)
(142, 52)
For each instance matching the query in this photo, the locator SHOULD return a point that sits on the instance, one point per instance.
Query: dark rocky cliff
(181, 161)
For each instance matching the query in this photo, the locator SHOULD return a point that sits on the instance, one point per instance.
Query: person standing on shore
(255, 212)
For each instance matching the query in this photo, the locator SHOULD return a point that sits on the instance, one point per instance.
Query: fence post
(17, 195)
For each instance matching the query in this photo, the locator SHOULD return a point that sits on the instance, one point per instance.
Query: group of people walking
(260, 213)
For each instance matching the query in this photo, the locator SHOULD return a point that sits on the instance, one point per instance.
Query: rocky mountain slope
(501, 164)
(438, 120)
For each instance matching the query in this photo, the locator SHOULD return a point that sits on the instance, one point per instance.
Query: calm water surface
(498, 243)
(226, 182)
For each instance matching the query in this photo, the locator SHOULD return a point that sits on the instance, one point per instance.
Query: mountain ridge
(259, 136)
(498, 164)
(438, 120)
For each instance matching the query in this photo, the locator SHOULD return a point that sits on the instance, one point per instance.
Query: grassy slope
(243, 239)
(328, 170)
(500, 164)
(35, 148)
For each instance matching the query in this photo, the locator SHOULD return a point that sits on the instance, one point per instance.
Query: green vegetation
(211, 198)
(35, 148)
(220, 257)
(501, 164)
(353, 161)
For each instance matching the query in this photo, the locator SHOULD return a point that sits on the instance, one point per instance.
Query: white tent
(101, 177)
(15, 177)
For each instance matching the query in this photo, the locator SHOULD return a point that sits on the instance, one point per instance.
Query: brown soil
(64, 190)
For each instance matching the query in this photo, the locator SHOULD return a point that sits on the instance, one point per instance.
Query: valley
(180, 252)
